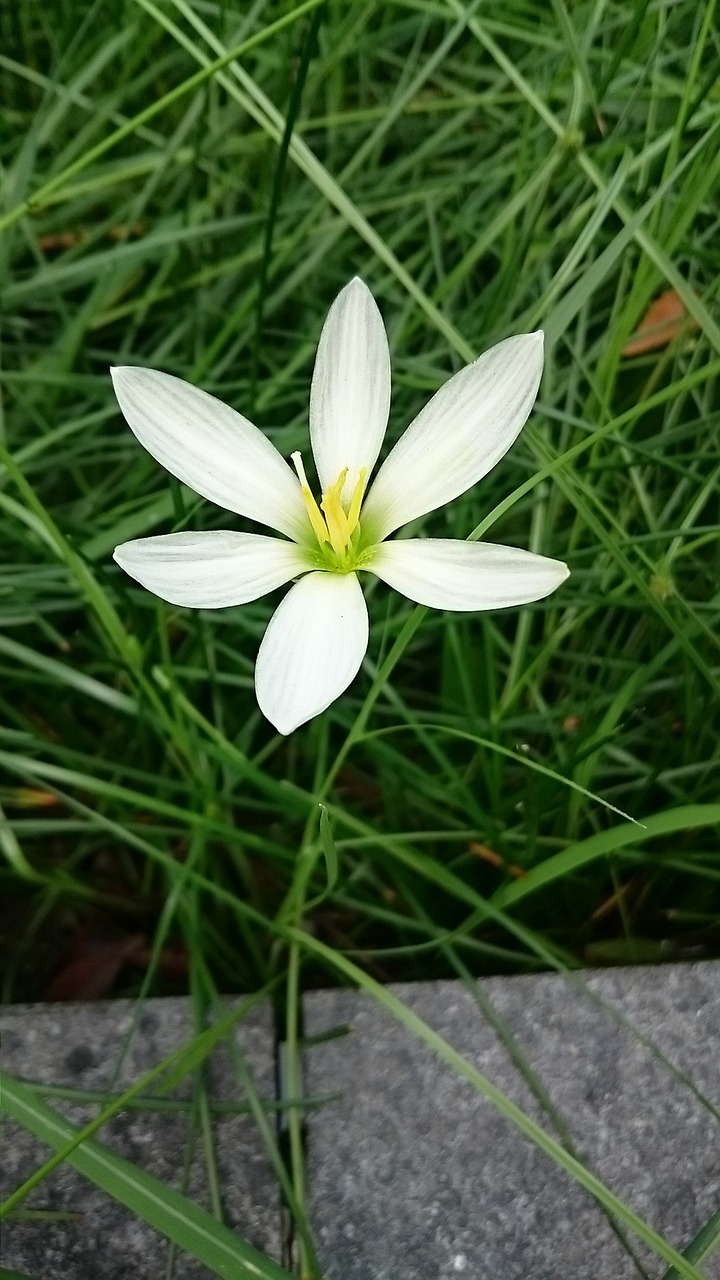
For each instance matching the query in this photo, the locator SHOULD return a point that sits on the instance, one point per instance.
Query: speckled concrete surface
(415, 1177)
(80, 1045)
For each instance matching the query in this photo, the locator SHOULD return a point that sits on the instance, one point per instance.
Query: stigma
(336, 524)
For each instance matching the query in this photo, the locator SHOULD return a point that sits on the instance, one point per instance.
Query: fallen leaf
(571, 724)
(663, 321)
(32, 798)
(60, 240)
(495, 860)
(611, 903)
(91, 974)
(53, 241)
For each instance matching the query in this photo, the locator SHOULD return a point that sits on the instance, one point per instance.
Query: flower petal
(312, 648)
(458, 437)
(350, 391)
(446, 573)
(214, 569)
(211, 448)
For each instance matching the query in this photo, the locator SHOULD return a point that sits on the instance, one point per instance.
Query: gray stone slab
(79, 1045)
(414, 1176)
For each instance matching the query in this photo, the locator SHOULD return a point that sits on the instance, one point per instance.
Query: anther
(320, 528)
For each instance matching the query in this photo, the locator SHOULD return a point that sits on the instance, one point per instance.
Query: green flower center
(335, 522)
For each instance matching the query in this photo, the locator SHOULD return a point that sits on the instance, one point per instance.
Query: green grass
(166, 204)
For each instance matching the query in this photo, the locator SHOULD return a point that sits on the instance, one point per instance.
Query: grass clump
(485, 179)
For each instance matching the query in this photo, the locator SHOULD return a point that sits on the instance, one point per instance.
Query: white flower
(318, 636)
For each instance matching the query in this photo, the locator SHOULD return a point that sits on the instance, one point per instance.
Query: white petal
(350, 391)
(466, 428)
(211, 448)
(446, 573)
(312, 648)
(214, 569)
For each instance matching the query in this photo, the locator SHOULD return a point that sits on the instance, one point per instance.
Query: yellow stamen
(335, 517)
(334, 526)
(320, 528)
(353, 514)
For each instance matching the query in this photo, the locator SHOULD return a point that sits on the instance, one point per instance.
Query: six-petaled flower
(318, 636)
